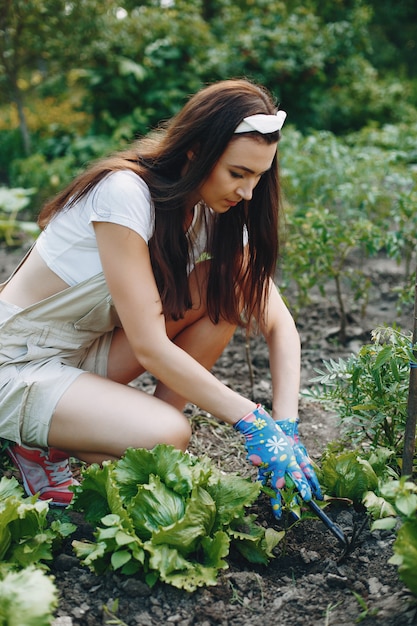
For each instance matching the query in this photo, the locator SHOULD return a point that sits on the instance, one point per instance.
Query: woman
(149, 261)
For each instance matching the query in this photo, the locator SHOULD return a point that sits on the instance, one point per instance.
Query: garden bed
(306, 583)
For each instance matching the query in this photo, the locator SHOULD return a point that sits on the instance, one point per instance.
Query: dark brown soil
(306, 584)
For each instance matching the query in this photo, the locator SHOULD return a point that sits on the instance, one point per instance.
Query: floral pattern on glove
(269, 449)
(290, 428)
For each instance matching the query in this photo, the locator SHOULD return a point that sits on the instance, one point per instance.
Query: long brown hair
(204, 125)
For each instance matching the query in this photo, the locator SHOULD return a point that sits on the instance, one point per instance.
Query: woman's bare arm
(284, 348)
(128, 271)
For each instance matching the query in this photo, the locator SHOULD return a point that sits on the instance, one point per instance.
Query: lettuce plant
(396, 501)
(28, 595)
(346, 475)
(27, 598)
(26, 536)
(169, 516)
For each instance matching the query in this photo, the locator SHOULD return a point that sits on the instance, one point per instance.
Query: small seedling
(366, 610)
(112, 614)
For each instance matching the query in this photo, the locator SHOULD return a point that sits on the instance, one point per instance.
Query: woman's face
(237, 173)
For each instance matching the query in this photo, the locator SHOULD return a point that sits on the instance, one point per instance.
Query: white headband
(262, 123)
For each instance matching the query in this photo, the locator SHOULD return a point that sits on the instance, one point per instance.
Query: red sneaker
(44, 471)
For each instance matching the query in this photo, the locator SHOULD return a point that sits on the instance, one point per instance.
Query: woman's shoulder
(124, 180)
(121, 188)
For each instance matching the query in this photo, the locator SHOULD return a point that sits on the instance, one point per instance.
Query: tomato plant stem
(410, 426)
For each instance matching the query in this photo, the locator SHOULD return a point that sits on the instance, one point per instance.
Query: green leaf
(122, 538)
(91, 496)
(347, 476)
(387, 523)
(231, 494)
(405, 549)
(9, 487)
(93, 554)
(378, 506)
(188, 574)
(256, 546)
(407, 504)
(155, 506)
(173, 466)
(120, 558)
(192, 527)
(27, 598)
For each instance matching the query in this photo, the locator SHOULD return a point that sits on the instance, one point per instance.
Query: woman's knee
(173, 429)
(179, 430)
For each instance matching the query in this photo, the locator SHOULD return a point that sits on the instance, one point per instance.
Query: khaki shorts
(41, 356)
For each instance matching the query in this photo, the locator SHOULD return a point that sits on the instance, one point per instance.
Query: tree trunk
(410, 426)
(24, 131)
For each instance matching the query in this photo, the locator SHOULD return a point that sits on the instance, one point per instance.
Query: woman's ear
(192, 153)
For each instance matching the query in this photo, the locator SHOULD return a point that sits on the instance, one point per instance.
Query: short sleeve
(123, 198)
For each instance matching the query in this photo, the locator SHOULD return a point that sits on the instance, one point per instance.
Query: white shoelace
(59, 472)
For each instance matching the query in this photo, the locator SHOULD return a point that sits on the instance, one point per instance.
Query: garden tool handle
(334, 528)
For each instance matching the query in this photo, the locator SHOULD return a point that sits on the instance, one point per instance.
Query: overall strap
(19, 265)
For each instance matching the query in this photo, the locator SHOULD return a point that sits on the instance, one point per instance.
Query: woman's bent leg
(195, 333)
(98, 419)
(205, 342)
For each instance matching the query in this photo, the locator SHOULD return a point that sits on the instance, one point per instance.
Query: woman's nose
(245, 190)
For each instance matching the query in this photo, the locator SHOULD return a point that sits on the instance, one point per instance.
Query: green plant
(12, 201)
(27, 542)
(348, 198)
(392, 502)
(327, 615)
(366, 611)
(168, 515)
(346, 475)
(111, 613)
(369, 389)
(26, 537)
(319, 247)
(27, 597)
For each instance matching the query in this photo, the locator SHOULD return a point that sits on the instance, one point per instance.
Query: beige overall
(44, 348)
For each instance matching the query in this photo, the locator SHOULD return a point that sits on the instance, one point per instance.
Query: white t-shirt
(68, 244)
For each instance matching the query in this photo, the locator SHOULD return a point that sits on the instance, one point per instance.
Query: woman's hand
(290, 428)
(270, 450)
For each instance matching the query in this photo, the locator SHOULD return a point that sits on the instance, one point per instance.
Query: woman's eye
(236, 175)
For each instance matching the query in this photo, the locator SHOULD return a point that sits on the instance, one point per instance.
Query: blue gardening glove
(270, 450)
(290, 428)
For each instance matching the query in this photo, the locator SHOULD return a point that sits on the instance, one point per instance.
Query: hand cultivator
(347, 543)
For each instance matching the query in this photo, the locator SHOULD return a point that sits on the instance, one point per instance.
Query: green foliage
(346, 475)
(347, 199)
(26, 537)
(168, 515)
(145, 67)
(27, 598)
(27, 541)
(46, 175)
(396, 501)
(369, 389)
(12, 201)
(127, 67)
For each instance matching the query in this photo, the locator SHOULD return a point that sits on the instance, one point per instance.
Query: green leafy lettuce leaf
(186, 573)
(405, 554)
(347, 476)
(155, 505)
(27, 598)
(168, 515)
(26, 537)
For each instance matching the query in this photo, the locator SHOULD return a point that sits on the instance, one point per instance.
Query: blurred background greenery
(81, 78)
